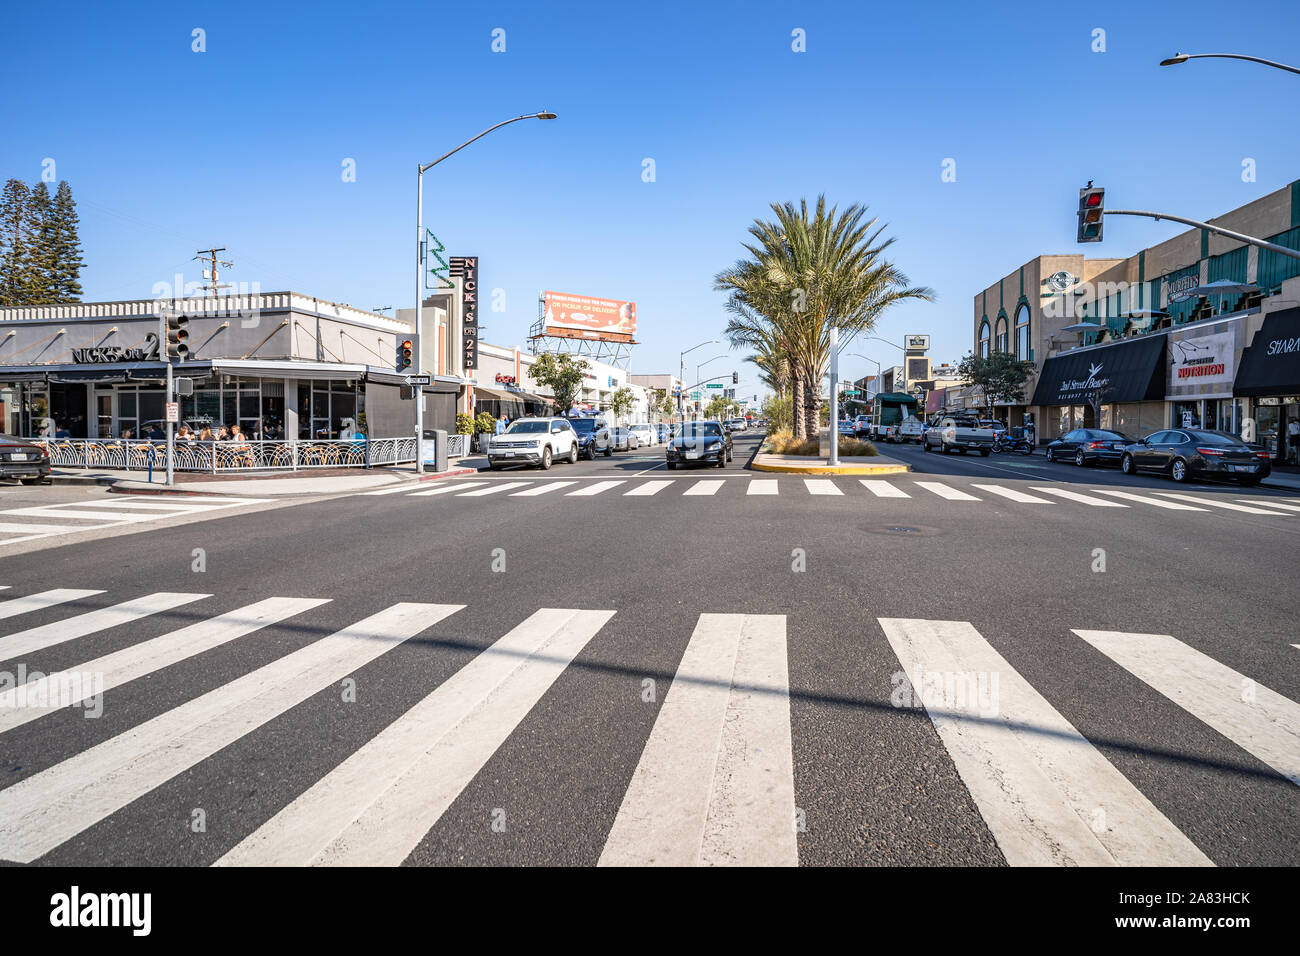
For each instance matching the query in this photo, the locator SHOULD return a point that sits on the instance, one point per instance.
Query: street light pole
(835, 397)
(1184, 57)
(681, 376)
(416, 362)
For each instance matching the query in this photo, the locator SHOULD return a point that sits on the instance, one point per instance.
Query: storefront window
(1185, 415)
(1022, 333)
(984, 339)
(1267, 427)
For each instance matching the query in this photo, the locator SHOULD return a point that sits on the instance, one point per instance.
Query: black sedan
(593, 436)
(1184, 453)
(699, 442)
(1089, 446)
(23, 460)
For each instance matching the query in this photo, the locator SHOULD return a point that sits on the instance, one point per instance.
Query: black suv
(593, 436)
(704, 442)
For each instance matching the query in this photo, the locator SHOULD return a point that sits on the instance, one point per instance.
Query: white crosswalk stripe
(598, 488)
(1012, 495)
(883, 489)
(35, 602)
(647, 488)
(492, 489)
(943, 491)
(443, 489)
(715, 784)
(821, 486)
(1261, 722)
(705, 487)
(1144, 499)
(1272, 503)
(48, 808)
(1076, 496)
(402, 486)
(1227, 505)
(542, 489)
(376, 806)
(47, 635)
(34, 522)
(1047, 794)
(762, 486)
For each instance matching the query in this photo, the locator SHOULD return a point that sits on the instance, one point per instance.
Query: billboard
(585, 317)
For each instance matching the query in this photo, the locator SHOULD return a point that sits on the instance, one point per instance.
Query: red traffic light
(1094, 199)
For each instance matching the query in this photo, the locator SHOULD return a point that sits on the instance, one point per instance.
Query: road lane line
(444, 489)
(943, 491)
(1013, 495)
(1129, 496)
(43, 599)
(376, 806)
(1047, 794)
(1082, 499)
(596, 489)
(762, 486)
(883, 489)
(1228, 505)
(491, 489)
(821, 486)
(46, 809)
(541, 489)
(715, 782)
(705, 486)
(1267, 725)
(649, 487)
(59, 632)
(176, 507)
(20, 705)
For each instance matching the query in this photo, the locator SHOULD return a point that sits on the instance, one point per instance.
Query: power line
(214, 275)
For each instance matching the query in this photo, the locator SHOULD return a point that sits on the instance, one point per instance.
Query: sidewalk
(279, 484)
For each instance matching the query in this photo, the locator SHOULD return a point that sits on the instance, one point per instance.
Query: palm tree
(804, 276)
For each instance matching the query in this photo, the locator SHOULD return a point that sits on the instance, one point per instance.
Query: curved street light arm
(1180, 57)
(425, 168)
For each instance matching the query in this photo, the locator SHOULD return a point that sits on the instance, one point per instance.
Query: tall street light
(421, 169)
(1184, 57)
(681, 377)
(873, 362)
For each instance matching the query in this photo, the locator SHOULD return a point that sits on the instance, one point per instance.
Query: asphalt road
(542, 767)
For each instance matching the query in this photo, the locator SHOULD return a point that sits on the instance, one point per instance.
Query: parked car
(737, 424)
(1184, 453)
(533, 441)
(846, 427)
(704, 442)
(593, 436)
(646, 434)
(862, 426)
(959, 432)
(23, 460)
(1089, 446)
(665, 432)
(623, 439)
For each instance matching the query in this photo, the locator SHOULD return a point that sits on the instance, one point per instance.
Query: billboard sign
(585, 317)
(917, 343)
(465, 268)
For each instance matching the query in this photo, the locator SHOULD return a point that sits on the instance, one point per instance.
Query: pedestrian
(205, 434)
(1293, 439)
(127, 434)
(223, 434)
(501, 425)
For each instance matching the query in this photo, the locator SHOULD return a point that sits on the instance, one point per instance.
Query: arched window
(1001, 342)
(984, 339)
(1022, 332)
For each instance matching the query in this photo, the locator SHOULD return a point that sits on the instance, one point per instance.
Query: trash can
(439, 438)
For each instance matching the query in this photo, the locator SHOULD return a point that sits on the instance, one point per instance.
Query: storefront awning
(1271, 366)
(1125, 372)
(87, 376)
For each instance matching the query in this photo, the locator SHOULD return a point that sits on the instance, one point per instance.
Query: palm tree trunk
(796, 405)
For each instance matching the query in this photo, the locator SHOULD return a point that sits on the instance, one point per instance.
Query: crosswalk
(715, 782)
(44, 521)
(877, 490)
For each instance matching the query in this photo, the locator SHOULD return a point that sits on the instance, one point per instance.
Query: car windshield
(527, 428)
(1215, 438)
(583, 424)
(701, 430)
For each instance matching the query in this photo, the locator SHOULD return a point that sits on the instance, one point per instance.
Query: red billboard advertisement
(585, 317)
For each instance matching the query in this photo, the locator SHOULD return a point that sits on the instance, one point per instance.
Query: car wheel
(1049, 453)
(31, 481)
(546, 458)
(1126, 465)
(573, 454)
(722, 459)
(984, 452)
(925, 446)
(1079, 460)
(1178, 470)
(609, 450)
(944, 447)
(493, 466)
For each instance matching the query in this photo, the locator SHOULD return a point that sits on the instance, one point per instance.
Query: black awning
(87, 377)
(1271, 366)
(16, 377)
(1126, 372)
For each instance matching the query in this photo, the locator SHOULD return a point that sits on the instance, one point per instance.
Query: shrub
(464, 424)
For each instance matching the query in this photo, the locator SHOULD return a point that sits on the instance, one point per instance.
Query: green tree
(622, 402)
(1000, 377)
(41, 230)
(65, 247)
(777, 411)
(15, 243)
(666, 405)
(562, 374)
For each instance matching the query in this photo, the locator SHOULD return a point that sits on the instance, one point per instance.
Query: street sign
(851, 391)
(714, 385)
(417, 380)
(173, 411)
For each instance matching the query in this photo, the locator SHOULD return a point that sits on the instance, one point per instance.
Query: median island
(782, 452)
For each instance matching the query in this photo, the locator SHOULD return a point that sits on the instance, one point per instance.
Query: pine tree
(14, 242)
(65, 252)
(41, 232)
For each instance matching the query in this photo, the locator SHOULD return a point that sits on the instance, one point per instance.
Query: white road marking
(1047, 794)
(762, 486)
(1013, 495)
(34, 602)
(57, 511)
(715, 783)
(491, 489)
(1228, 505)
(883, 489)
(1129, 496)
(705, 486)
(48, 808)
(376, 806)
(821, 486)
(597, 488)
(59, 632)
(1082, 499)
(649, 487)
(444, 489)
(1271, 503)
(541, 489)
(400, 487)
(34, 699)
(1266, 724)
(176, 507)
(943, 491)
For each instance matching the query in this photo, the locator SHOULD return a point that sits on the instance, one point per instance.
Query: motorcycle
(1005, 441)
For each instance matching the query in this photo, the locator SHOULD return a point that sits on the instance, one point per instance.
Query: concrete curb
(794, 467)
(123, 487)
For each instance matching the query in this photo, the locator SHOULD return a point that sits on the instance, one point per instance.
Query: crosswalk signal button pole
(1092, 209)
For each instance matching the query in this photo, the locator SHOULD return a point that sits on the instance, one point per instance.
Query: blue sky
(169, 150)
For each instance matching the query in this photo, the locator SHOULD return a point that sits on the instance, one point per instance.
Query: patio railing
(208, 456)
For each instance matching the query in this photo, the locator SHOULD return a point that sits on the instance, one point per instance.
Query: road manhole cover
(901, 530)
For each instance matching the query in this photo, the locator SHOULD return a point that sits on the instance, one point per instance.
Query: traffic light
(735, 378)
(405, 354)
(1092, 207)
(176, 335)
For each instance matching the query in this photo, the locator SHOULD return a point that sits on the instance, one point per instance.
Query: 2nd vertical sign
(466, 269)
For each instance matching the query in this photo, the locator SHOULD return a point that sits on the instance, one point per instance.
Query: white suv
(534, 441)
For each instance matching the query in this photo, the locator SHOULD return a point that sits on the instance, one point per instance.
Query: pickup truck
(960, 433)
(909, 429)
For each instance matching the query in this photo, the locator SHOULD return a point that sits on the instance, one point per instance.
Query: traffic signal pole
(171, 426)
(1219, 230)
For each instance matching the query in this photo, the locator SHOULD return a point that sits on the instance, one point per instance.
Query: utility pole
(212, 274)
